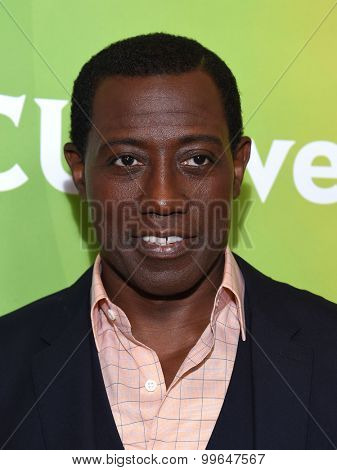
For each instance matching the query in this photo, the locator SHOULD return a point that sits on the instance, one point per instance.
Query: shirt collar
(232, 284)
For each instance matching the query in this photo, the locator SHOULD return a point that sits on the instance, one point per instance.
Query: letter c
(11, 106)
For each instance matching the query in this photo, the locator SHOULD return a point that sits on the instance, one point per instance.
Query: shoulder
(23, 327)
(305, 307)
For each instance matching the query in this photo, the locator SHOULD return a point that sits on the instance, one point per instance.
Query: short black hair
(145, 55)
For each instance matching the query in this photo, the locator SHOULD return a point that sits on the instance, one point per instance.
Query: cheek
(216, 224)
(110, 197)
(101, 197)
(115, 221)
(214, 211)
(218, 184)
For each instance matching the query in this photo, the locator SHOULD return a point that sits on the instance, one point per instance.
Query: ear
(76, 164)
(240, 161)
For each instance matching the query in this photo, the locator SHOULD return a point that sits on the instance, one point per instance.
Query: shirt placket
(152, 393)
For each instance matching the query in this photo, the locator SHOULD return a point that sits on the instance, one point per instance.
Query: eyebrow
(187, 139)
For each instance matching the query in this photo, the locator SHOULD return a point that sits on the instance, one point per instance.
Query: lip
(163, 234)
(172, 250)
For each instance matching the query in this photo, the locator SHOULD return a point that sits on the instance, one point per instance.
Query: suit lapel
(68, 384)
(106, 433)
(281, 365)
(234, 427)
(282, 382)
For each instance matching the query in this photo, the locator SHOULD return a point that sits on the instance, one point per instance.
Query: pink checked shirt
(147, 415)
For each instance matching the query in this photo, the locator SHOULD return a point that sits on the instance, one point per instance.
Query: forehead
(160, 102)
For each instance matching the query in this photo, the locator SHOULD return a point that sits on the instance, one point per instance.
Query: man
(169, 341)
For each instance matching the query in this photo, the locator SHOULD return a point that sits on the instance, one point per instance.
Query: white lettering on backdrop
(11, 107)
(263, 176)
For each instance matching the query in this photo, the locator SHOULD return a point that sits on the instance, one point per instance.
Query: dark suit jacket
(282, 394)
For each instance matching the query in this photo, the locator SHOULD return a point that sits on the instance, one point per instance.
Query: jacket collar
(281, 365)
(69, 387)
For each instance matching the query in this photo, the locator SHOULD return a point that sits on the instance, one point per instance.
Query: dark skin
(167, 301)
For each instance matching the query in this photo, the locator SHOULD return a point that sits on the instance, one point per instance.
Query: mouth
(162, 241)
(168, 246)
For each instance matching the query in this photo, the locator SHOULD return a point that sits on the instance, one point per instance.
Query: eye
(197, 160)
(124, 160)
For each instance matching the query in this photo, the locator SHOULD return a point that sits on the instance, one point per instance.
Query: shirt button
(111, 314)
(150, 385)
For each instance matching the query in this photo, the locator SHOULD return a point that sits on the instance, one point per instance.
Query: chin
(165, 286)
(164, 292)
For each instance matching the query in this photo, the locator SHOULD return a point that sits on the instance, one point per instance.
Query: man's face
(158, 163)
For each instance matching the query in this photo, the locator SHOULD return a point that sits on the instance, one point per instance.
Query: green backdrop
(283, 55)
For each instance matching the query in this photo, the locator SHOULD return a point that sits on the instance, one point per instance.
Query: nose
(164, 193)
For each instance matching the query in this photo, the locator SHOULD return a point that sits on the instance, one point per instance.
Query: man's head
(148, 55)
(157, 147)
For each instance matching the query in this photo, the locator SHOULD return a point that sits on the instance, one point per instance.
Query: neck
(151, 314)
(170, 327)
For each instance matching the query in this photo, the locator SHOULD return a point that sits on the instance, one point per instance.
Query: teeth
(174, 239)
(162, 240)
